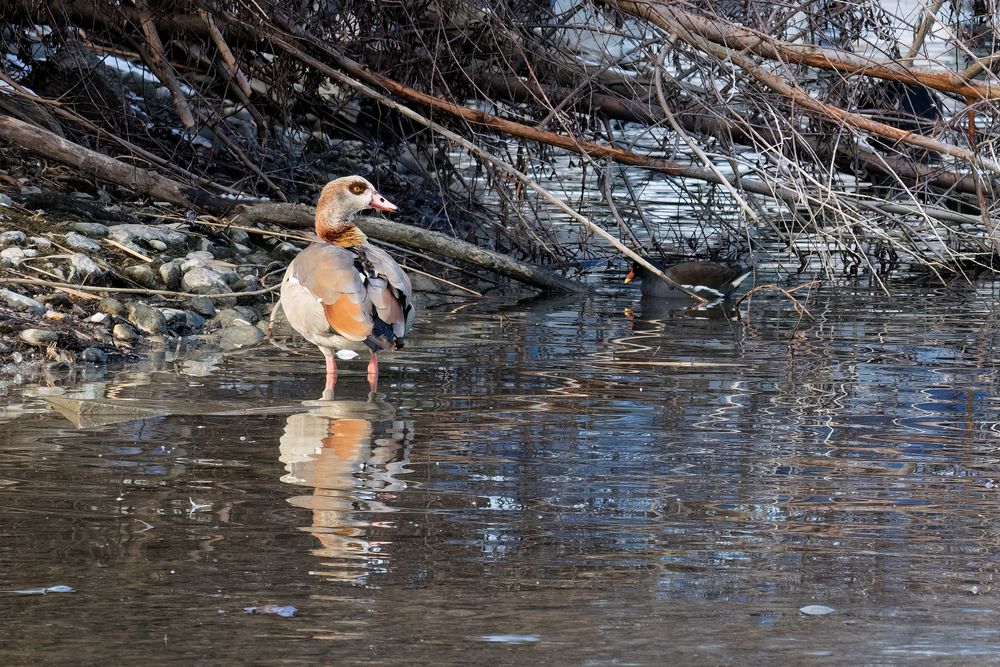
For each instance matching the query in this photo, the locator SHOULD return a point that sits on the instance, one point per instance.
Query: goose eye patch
(357, 188)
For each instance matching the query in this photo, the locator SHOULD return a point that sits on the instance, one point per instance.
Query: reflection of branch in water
(799, 308)
(350, 453)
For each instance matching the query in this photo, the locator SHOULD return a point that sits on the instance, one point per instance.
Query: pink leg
(373, 372)
(331, 373)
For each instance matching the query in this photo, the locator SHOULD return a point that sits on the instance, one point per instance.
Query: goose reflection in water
(352, 454)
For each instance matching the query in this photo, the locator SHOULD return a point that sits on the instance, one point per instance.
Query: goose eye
(357, 188)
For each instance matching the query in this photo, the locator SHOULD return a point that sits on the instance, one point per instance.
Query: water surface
(579, 480)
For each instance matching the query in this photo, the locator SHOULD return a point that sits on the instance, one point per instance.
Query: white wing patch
(703, 288)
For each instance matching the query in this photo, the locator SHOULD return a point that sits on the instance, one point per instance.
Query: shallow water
(558, 480)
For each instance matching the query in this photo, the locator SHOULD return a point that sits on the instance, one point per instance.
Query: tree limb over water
(798, 132)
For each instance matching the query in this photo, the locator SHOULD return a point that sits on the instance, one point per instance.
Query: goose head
(339, 201)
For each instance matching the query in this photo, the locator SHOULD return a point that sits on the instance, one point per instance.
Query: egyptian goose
(708, 279)
(342, 293)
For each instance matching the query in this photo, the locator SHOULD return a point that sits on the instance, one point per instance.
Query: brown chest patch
(346, 235)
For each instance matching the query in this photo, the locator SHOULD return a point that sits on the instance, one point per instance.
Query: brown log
(229, 63)
(304, 217)
(93, 164)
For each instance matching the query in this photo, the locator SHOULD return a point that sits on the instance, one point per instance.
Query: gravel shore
(94, 283)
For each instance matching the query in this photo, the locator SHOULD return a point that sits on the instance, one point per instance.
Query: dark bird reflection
(652, 312)
(351, 454)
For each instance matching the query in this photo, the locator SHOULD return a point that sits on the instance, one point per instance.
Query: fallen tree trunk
(93, 164)
(303, 217)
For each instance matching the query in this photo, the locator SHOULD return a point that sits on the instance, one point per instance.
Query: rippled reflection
(351, 454)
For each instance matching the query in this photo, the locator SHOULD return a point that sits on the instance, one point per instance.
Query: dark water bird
(709, 280)
(343, 293)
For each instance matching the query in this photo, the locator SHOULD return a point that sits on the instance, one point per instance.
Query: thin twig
(133, 290)
(124, 248)
(155, 56)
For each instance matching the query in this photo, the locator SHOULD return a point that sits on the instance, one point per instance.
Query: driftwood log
(301, 216)
(96, 165)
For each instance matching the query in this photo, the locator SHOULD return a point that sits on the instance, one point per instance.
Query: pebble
(239, 236)
(183, 320)
(207, 246)
(5, 200)
(147, 319)
(131, 233)
(82, 243)
(83, 267)
(171, 273)
(94, 230)
(124, 333)
(56, 300)
(94, 355)
(195, 259)
(136, 249)
(175, 317)
(22, 303)
(13, 237)
(230, 277)
(203, 305)
(157, 245)
(228, 317)
(286, 249)
(12, 256)
(194, 320)
(263, 259)
(39, 337)
(41, 243)
(236, 337)
(241, 249)
(144, 275)
(246, 284)
(112, 307)
(203, 280)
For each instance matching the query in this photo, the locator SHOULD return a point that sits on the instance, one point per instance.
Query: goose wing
(324, 290)
(390, 293)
